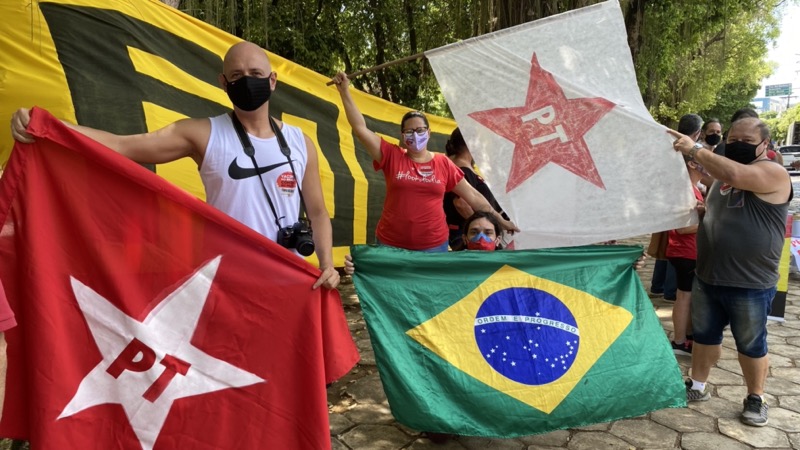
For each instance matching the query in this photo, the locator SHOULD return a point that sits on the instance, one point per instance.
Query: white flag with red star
(555, 121)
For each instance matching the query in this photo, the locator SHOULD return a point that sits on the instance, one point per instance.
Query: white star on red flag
(148, 365)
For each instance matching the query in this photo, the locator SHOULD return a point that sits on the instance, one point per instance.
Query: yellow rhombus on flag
(452, 331)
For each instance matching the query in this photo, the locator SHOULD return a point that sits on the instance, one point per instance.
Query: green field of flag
(512, 343)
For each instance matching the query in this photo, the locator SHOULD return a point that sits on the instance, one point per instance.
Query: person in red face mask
(482, 232)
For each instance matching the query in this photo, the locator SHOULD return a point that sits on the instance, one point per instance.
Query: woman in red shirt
(682, 253)
(416, 181)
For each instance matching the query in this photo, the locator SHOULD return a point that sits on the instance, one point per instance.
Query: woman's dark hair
(710, 121)
(411, 114)
(482, 215)
(456, 144)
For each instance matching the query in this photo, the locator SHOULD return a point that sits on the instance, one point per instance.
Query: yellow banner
(135, 66)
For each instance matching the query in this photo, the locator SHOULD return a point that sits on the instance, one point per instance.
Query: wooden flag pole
(350, 76)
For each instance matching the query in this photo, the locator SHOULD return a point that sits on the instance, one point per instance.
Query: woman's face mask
(713, 139)
(699, 167)
(481, 242)
(416, 140)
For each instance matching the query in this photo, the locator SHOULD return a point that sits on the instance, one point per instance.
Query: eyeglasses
(419, 131)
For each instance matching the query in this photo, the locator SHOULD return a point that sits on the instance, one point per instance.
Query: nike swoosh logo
(238, 173)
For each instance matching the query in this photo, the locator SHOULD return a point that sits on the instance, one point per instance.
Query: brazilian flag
(512, 343)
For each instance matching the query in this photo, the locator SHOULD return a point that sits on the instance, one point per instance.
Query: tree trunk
(412, 31)
(413, 70)
(634, 25)
(380, 48)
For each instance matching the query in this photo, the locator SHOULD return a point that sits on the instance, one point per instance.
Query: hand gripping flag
(148, 319)
(512, 343)
(553, 116)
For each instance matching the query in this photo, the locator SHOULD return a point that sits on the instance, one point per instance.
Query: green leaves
(704, 56)
(779, 126)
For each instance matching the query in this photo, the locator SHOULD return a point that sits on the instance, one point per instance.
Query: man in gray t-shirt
(739, 245)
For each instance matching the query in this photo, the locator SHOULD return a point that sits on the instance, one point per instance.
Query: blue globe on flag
(527, 335)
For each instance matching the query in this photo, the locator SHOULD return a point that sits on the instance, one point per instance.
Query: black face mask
(249, 93)
(713, 139)
(741, 152)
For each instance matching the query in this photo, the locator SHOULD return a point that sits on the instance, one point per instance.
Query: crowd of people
(725, 267)
(738, 246)
(682, 248)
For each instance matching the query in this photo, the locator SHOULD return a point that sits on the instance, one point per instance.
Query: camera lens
(305, 246)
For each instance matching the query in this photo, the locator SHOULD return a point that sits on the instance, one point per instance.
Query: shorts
(714, 307)
(684, 272)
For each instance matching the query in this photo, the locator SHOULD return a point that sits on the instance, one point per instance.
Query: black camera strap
(250, 151)
(288, 153)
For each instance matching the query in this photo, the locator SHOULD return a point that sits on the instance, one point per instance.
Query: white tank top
(232, 184)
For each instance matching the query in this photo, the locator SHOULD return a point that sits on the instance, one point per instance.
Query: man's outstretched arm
(187, 137)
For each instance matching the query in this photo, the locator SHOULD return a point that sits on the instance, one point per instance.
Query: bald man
(235, 182)
(739, 245)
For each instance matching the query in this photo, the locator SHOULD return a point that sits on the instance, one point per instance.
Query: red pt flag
(148, 319)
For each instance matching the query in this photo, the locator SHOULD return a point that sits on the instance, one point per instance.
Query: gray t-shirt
(740, 240)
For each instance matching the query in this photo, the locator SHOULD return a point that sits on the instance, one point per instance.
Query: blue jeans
(714, 307)
(664, 279)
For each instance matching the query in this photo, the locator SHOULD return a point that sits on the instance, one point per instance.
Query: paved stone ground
(360, 417)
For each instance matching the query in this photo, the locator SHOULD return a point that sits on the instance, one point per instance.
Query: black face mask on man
(249, 93)
(713, 139)
(741, 152)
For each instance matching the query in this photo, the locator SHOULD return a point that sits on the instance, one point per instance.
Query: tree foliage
(690, 56)
(779, 126)
(706, 57)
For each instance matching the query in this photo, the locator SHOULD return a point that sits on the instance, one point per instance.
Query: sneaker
(670, 299)
(754, 412)
(684, 349)
(693, 395)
